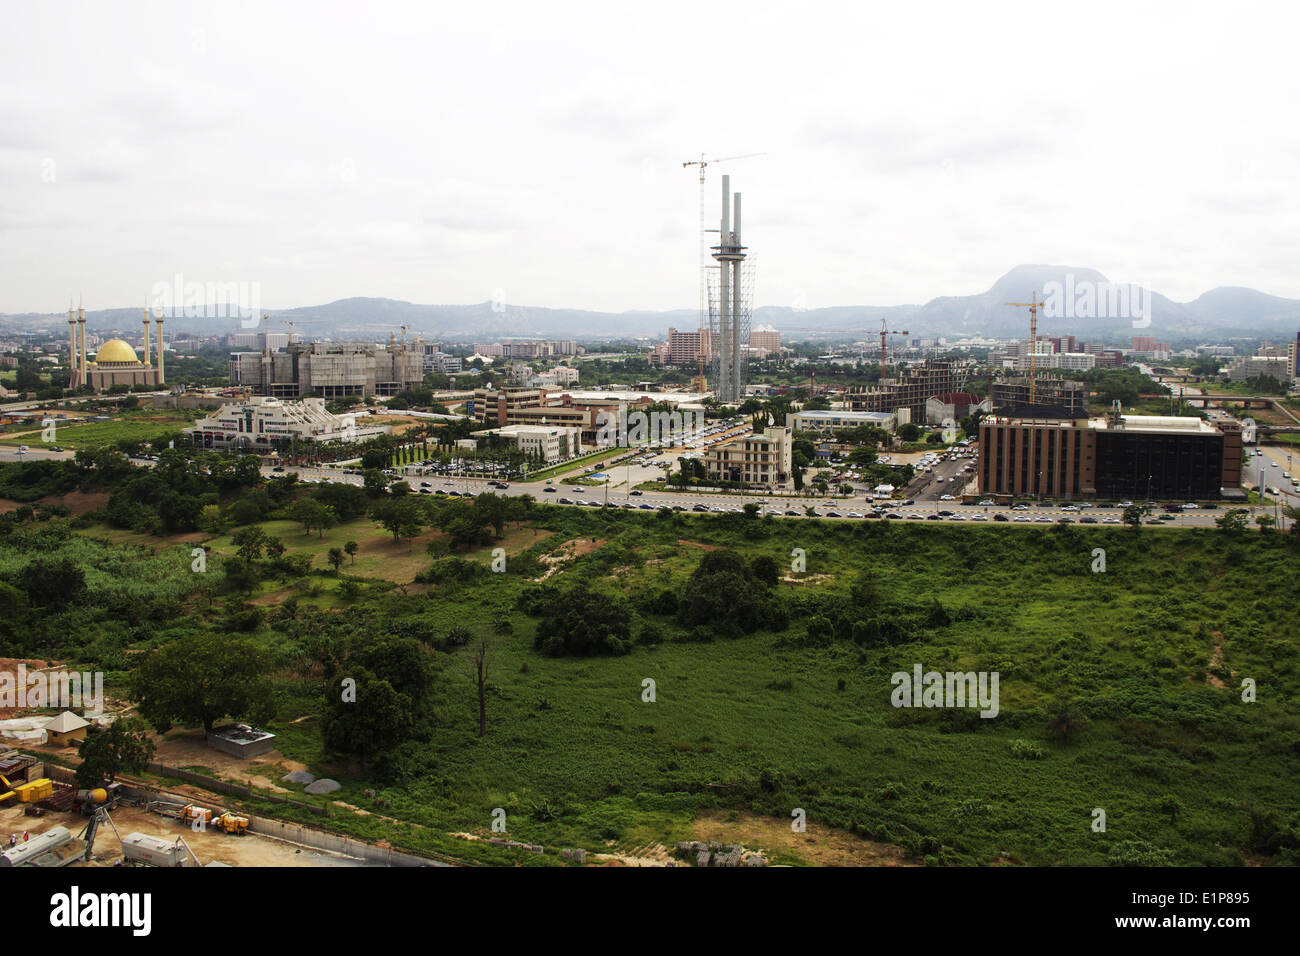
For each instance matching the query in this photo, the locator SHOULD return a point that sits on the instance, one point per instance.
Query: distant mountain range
(1221, 311)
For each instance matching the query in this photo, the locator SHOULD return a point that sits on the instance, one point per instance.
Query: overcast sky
(450, 152)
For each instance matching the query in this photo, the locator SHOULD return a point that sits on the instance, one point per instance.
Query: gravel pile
(323, 785)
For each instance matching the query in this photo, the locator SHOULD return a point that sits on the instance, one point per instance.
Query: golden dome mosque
(116, 362)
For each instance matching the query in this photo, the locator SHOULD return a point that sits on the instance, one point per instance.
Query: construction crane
(1033, 306)
(704, 247)
(884, 365)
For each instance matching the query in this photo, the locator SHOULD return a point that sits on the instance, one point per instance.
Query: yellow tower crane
(1033, 306)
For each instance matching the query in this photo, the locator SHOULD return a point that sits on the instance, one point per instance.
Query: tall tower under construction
(729, 306)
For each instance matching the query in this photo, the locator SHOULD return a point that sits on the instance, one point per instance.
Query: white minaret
(161, 378)
(74, 380)
(144, 355)
(81, 326)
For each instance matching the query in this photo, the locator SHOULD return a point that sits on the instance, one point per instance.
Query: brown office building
(1130, 456)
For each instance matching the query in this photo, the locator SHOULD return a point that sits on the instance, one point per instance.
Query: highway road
(621, 492)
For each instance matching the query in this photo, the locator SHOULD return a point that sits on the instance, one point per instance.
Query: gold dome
(115, 350)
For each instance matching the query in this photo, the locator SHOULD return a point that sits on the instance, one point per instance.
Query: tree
(1170, 806)
(1233, 521)
(53, 584)
(336, 558)
(210, 519)
(313, 515)
(122, 746)
(481, 671)
(200, 679)
(374, 482)
(351, 548)
(400, 516)
(1133, 516)
(1266, 523)
(250, 541)
(1065, 724)
(909, 432)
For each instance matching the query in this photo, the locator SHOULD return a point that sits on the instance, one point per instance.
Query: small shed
(66, 729)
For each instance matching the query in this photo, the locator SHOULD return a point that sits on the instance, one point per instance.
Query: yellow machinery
(229, 823)
(32, 792)
(201, 814)
(225, 821)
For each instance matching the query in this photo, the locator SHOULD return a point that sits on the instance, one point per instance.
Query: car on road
(1087, 519)
(947, 498)
(635, 493)
(792, 514)
(934, 517)
(566, 501)
(701, 508)
(1124, 504)
(1000, 517)
(549, 491)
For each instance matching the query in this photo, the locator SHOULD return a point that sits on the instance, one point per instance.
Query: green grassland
(1149, 656)
(140, 426)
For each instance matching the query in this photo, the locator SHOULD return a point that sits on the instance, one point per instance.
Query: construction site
(50, 823)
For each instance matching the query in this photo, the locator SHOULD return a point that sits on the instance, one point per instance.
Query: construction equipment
(200, 818)
(99, 816)
(883, 332)
(30, 792)
(230, 823)
(1033, 306)
(29, 851)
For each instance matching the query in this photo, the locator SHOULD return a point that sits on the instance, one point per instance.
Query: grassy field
(1148, 658)
(134, 426)
(1185, 771)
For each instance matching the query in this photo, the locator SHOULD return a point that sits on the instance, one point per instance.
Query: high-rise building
(1119, 456)
(1053, 398)
(329, 370)
(913, 387)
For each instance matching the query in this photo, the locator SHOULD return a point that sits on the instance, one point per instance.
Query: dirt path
(821, 846)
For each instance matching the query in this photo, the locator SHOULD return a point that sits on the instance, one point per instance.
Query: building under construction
(729, 303)
(1053, 398)
(913, 387)
(329, 370)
